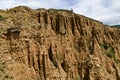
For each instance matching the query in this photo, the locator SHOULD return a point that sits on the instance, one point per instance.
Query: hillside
(117, 26)
(50, 44)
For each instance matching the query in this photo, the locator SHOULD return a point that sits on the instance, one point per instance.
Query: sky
(106, 11)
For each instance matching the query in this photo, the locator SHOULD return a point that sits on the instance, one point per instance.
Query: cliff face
(56, 45)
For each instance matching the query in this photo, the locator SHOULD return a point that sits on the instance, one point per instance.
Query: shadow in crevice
(52, 57)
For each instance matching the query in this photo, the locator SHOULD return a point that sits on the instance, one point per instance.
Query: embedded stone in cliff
(13, 32)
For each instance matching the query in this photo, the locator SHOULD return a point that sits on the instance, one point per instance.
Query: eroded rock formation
(57, 45)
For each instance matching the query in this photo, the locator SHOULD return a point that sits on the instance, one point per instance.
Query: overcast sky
(106, 11)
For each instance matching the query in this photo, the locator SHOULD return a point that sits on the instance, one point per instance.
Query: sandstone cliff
(56, 45)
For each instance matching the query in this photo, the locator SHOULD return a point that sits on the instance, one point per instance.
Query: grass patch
(110, 52)
(4, 74)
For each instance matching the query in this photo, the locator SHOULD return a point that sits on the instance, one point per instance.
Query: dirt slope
(56, 45)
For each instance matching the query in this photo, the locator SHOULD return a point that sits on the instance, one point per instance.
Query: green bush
(2, 65)
(76, 46)
(111, 53)
(105, 45)
(1, 18)
(77, 78)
